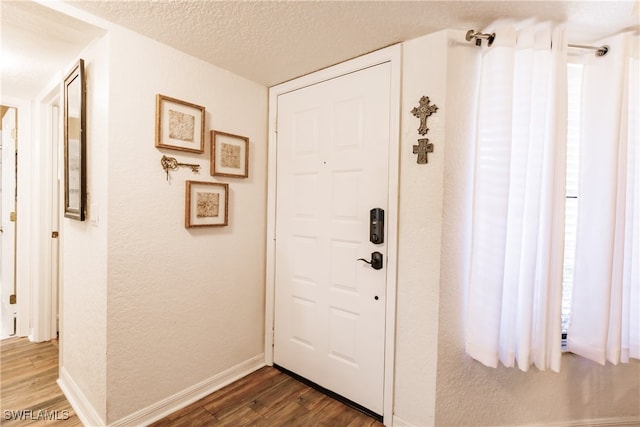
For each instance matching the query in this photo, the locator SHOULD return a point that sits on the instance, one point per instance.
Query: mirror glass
(74, 140)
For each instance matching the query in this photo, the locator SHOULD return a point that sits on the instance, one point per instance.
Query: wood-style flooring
(29, 394)
(266, 397)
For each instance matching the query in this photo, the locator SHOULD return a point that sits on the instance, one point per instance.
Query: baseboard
(399, 422)
(192, 394)
(79, 402)
(596, 422)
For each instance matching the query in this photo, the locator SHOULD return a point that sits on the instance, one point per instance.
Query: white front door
(332, 169)
(8, 307)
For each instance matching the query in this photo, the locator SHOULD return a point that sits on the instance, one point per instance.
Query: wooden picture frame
(179, 125)
(75, 143)
(207, 204)
(229, 155)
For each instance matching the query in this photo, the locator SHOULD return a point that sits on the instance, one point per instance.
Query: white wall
(421, 193)
(436, 383)
(183, 305)
(151, 309)
(83, 330)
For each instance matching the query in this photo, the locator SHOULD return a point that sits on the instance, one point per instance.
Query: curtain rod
(600, 51)
(478, 36)
(473, 34)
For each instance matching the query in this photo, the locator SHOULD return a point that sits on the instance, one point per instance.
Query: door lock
(376, 260)
(376, 226)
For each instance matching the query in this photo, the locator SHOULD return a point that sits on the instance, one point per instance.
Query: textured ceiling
(273, 41)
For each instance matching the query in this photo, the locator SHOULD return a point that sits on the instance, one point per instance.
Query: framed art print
(229, 155)
(75, 143)
(207, 204)
(179, 125)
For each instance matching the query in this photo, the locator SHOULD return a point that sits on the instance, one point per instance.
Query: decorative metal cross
(423, 147)
(423, 111)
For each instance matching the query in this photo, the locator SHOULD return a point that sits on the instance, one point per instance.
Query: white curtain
(514, 289)
(605, 310)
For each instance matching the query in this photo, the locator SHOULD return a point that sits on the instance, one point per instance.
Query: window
(574, 110)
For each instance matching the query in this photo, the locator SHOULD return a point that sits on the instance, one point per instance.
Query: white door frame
(45, 306)
(392, 55)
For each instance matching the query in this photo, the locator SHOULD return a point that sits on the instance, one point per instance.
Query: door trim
(24, 233)
(45, 293)
(38, 310)
(391, 55)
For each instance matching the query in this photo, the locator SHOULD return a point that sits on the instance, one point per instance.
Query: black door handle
(376, 260)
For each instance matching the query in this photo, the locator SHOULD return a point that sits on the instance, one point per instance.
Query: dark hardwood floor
(268, 397)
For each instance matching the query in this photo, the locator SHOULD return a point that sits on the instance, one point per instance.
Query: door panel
(332, 168)
(9, 134)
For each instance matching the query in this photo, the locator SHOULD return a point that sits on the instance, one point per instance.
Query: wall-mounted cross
(423, 111)
(423, 147)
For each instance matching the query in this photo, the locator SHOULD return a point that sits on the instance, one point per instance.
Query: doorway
(30, 253)
(45, 317)
(331, 273)
(8, 291)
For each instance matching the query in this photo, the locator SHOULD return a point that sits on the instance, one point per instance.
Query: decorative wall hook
(171, 163)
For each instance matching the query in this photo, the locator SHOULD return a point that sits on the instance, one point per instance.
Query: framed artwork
(75, 143)
(229, 155)
(179, 125)
(207, 204)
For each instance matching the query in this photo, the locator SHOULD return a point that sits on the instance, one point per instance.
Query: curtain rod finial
(470, 35)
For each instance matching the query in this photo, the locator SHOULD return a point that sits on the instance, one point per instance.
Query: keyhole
(376, 298)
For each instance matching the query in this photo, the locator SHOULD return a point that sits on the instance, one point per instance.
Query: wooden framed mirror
(75, 162)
